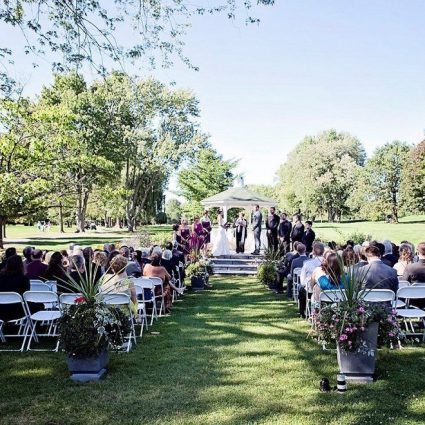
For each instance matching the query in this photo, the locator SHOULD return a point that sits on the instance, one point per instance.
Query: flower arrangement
(266, 272)
(344, 323)
(195, 270)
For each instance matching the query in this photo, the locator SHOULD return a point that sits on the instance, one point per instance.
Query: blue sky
(309, 66)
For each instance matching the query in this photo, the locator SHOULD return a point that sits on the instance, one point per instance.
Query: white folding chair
(403, 283)
(53, 285)
(412, 314)
(39, 285)
(148, 296)
(377, 295)
(44, 318)
(418, 284)
(296, 283)
(157, 281)
(123, 300)
(332, 295)
(68, 299)
(13, 298)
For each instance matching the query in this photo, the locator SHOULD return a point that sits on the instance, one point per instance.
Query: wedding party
(212, 212)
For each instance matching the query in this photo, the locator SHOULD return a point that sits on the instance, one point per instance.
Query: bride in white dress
(221, 244)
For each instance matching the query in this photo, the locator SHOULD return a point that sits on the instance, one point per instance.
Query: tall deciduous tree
(383, 174)
(207, 174)
(413, 179)
(320, 173)
(80, 136)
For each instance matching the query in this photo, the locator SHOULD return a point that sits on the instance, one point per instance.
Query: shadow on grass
(233, 355)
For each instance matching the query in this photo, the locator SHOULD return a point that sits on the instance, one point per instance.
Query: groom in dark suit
(257, 222)
(272, 225)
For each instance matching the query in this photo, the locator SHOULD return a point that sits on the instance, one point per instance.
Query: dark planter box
(360, 367)
(89, 368)
(198, 283)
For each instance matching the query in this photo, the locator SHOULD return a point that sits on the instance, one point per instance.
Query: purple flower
(360, 310)
(343, 337)
(390, 334)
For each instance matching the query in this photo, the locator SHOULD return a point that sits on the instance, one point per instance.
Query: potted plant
(356, 328)
(196, 273)
(208, 268)
(266, 273)
(89, 328)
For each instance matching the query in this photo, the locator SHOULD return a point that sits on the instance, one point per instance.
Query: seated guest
(415, 272)
(133, 267)
(349, 257)
(166, 261)
(306, 272)
(328, 276)
(111, 256)
(27, 253)
(76, 275)
(119, 282)
(8, 253)
(12, 279)
(295, 264)
(405, 258)
(379, 275)
(362, 258)
(55, 269)
(388, 258)
(36, 269)
(154, 269)
(99, 260)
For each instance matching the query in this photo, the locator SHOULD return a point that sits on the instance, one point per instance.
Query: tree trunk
(2, 220)
(62, 230)
(82, 201)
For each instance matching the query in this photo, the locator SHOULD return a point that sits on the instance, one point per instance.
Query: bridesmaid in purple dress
(206, 224)
(186, 236)
(197, 240)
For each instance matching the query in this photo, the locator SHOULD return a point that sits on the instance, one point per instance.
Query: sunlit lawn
(410, 228)
(233, 355)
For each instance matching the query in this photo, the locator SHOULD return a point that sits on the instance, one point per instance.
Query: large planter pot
(85, 369)
(198, 283)
(360, 366)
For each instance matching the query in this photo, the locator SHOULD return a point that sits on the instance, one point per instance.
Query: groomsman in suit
(309, 236)
(272, 225)
(285, 228)
(257, 222)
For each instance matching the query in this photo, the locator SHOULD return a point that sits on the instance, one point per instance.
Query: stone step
(235, 272)
(242, 263)
(236, 266)
(239, 257)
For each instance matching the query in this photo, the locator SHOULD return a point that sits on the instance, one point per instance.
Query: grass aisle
(232, 355)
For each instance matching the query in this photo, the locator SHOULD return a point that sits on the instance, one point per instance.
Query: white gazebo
(237, 197)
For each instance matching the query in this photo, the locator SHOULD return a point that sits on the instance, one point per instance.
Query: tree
(173, 209)
(383, 175)
(87, 32)
(207, 174)
(319, 174)
(413, 179)
(21, 188)
(80, 137)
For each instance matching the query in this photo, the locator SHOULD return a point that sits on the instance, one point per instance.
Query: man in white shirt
(306, 272)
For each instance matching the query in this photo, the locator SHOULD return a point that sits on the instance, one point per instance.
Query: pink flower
(343, 337)
(361, 310)
(390, 334)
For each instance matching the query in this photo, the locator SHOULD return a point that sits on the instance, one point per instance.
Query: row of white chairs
(47, 318)
(400, 301)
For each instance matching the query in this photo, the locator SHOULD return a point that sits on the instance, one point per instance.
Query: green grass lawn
(410, 228)
(233, 355)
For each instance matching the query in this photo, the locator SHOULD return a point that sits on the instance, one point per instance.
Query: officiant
(240, 233)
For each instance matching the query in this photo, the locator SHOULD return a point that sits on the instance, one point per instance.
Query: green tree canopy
(319, 174)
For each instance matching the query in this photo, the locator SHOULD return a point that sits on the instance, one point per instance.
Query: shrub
(358, 238)
(266, 272)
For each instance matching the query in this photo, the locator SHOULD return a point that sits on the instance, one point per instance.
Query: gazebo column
(225, 213)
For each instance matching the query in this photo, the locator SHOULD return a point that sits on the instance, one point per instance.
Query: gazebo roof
(238, 197)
